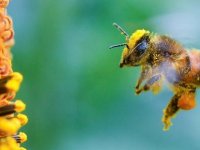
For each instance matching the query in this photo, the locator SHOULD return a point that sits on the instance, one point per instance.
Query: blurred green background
(77, 97)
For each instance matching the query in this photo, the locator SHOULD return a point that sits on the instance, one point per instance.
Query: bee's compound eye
(142, 47)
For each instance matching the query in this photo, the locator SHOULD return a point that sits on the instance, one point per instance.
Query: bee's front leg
(149, 83)
(143, 76)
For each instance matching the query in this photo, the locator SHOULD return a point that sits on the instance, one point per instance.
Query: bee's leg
(149, 83)
(170, 111)
(143, 76)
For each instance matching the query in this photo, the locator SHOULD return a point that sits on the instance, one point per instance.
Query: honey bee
(163, 59)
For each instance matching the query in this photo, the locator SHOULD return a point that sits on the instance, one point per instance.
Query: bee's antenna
(121, 30)
(118, 45)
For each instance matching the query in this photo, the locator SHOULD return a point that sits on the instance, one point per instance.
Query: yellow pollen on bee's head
(137, 35)
(125, 52)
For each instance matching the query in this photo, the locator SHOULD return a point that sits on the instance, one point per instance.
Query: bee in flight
(163, 59)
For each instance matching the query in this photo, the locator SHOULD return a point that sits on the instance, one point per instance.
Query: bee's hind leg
(170, 111)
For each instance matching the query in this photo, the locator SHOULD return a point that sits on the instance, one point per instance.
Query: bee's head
(135, 47)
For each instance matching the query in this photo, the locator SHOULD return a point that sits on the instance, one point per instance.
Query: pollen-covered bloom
(11, 119)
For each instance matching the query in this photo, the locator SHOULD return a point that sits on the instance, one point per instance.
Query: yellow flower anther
(20, 138)
(23, 119)
(14, 82)
(10, 120)
(23, 137)
(10, 107)
(19, 106)
(7, 108)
